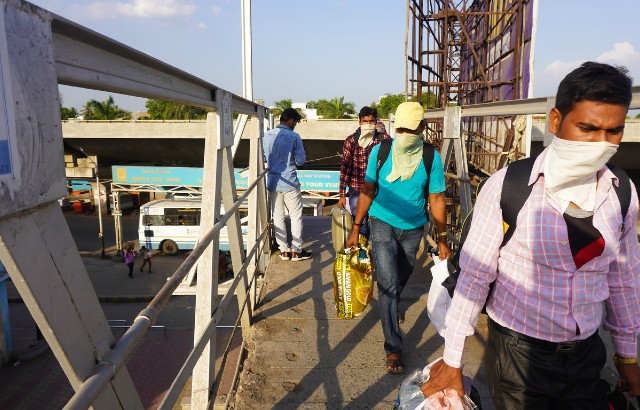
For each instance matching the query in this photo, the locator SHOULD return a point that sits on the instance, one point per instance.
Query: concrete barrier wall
(319, 129)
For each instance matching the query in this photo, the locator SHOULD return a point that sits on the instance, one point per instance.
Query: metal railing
(84, 58)
(110, 364)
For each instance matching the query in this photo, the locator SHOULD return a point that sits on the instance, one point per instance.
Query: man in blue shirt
(397, 218)
(284, 152)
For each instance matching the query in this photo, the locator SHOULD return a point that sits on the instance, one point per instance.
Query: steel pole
(100, 232)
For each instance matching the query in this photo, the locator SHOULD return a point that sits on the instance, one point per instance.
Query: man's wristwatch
(442, 235)
(624, 360)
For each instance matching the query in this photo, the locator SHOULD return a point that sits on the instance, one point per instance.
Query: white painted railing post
(207, 283)
(548, 136)
(453, 144)
(36, 245)
(263, 202)
(257, 209)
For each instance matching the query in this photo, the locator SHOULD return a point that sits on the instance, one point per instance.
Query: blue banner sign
(319, 181)
(180, 176)
(310, 181)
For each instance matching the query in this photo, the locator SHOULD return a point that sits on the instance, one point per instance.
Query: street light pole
(100, 232)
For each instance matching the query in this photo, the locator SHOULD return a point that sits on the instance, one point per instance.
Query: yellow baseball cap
(409, 115)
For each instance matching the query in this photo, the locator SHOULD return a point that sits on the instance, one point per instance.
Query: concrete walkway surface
(302, 356)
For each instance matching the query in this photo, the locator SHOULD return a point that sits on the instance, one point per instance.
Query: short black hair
(594, 82)
(290, 114)
(365, 111)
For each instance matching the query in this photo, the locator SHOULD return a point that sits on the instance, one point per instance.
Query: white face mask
(571, 167)
(367, 129)
(575, 160)
(366, 134)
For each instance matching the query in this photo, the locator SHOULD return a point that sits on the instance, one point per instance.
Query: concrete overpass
(115, 142)
(153, 141)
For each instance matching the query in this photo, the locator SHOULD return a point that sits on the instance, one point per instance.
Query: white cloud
(141, 8)
(100, 10)
(156, 8)
(201, 26)
(216, 10)
(558, 69)
(623, 54)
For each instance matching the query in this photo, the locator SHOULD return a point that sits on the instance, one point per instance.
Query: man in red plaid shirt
(355, 155)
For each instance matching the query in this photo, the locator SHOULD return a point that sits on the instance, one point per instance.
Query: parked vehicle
(173, 225)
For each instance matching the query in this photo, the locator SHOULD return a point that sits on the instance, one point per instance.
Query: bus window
(181, 216)
(153, 220)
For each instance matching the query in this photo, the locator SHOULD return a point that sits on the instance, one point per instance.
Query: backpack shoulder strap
(623, 190)
(427, 159)
(515, 192)
(383, 154)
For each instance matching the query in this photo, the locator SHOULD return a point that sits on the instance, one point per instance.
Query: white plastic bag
(410, 396)
(341, 226)
(438, 301)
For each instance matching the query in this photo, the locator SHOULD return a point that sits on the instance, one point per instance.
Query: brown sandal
(395, 364)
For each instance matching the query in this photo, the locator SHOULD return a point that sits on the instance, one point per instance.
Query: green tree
(429, 100)
(637, 117)
(388, 104)
(164, 110)
(280, 106)
(335, 108)
(104, 110)
(156, 109)
(66, 113)
(185, 112)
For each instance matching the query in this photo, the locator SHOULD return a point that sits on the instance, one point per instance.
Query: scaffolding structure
(463, 52)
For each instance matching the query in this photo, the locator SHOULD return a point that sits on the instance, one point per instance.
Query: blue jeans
(353, 202)
(394, 253)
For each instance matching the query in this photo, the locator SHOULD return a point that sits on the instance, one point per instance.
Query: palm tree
(104, 110)
(280, 106)
(335, 108)
(176, 111)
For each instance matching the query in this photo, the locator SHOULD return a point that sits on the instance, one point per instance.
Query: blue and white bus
(173, 225)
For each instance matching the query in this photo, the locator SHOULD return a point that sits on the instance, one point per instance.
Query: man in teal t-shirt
(397, 217)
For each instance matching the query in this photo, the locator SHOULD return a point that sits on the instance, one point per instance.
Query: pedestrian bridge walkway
(301, 355)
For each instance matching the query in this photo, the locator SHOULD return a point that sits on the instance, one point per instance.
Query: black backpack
(427, 159)
(514, 194)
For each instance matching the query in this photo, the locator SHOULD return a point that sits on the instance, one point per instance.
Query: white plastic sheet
(438, 301)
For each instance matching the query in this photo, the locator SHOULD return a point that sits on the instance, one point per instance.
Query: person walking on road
(284, 152)
(129, 258)
(572, 260)
(394, 196)
(355, 155)
(146, 254)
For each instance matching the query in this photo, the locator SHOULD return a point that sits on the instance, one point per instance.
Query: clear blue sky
(308, 50)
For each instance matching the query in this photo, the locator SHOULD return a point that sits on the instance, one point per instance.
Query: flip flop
(395, 364)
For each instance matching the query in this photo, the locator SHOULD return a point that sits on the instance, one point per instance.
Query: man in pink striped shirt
(570, 252)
